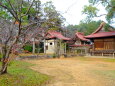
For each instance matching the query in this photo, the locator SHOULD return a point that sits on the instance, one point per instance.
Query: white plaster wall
(51, 48)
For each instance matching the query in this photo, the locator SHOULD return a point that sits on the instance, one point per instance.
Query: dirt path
(72, 72)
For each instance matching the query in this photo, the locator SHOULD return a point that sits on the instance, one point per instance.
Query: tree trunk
(4, 68)
(4, 61)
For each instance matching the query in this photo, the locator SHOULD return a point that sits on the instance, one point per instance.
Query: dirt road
(75, 72)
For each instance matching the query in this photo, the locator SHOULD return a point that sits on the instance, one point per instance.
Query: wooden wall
(104, 44)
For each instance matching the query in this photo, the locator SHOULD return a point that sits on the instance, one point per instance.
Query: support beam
(44, 46)
(33, 51)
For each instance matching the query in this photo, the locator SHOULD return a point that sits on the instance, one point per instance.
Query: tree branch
(20, 10)
(12, 8)
(101, 15)
(110, 5)
(5, 7)
(28, 9)
(29, 25)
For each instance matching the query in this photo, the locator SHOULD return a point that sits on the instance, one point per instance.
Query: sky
(72, 10)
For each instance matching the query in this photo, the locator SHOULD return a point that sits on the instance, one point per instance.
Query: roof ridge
(81, 36)
(99, 28)
(58, 35)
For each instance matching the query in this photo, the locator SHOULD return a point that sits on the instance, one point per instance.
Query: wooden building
(103, 42)
(80, 45)
(55, 43)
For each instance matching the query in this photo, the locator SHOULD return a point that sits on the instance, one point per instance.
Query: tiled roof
(98, 34)
(101, 34)
(55, 34)
(81, 36)
(79, 45)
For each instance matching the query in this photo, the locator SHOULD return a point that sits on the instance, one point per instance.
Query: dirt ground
(75, 72)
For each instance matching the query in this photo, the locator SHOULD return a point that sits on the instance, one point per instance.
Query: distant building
(55, 42)
(80, 44)
(103, 42)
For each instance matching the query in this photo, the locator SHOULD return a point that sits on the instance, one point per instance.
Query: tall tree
(10, 33)
(53, 18)
(90, 11)
(93, 9)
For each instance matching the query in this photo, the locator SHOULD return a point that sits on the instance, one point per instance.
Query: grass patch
(31, 54)
(109, 60)
(109, 74)
(19, 74)
(95, 59)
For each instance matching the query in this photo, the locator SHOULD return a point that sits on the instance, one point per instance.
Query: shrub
(1, 56)
(28, 48)
(55, 55)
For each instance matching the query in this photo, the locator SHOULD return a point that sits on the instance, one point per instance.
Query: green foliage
(71, 30)
(89, 27)
(20, 75)
(46, 12)
(4, 14)
(19, 8)
(111, 12)
(53, 18)
(54, 55)
(92, 9)
(28, 47)
(73, 27)
(86, 28)
(1, 55)
(52, 29)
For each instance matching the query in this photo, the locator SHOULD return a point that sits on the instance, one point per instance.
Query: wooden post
(33, 51)
(44, 46)
(102, 53)
(81, 51)
(74, 51)
(85, 50)
(65, 48)
(113, 54)
(59, 47)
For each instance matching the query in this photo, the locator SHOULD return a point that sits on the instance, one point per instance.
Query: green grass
(19, 74)
(109, 74)
(109, 60)
(30, 54)
(95, 59)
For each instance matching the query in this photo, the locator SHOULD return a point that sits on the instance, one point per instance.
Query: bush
(1, 56)
(55, 55)
(28, 48)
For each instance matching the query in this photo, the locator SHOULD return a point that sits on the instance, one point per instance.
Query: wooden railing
(103, 52)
